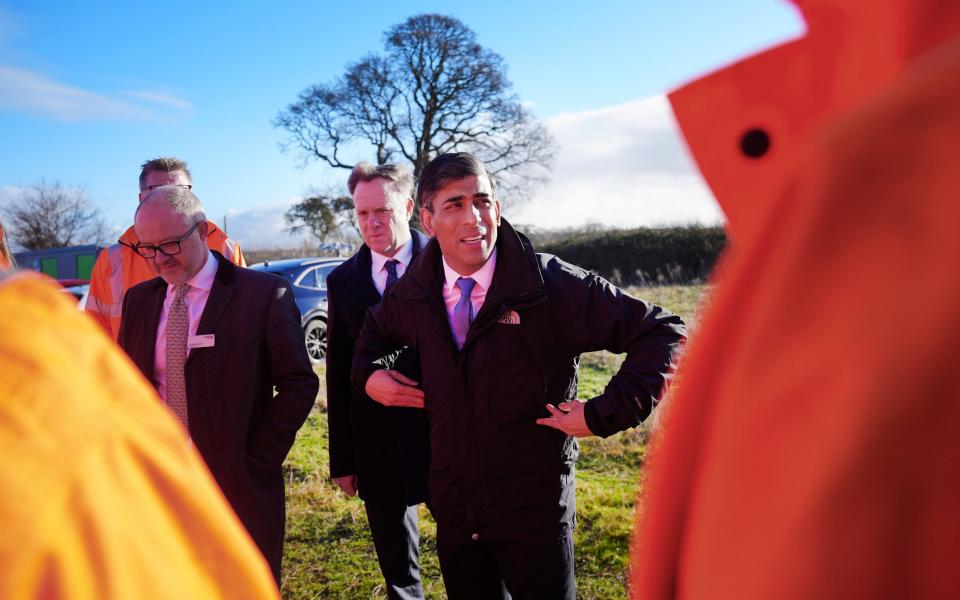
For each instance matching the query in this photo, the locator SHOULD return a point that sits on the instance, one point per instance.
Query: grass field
(328, 550)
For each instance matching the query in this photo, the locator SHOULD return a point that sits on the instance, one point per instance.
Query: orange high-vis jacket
(811, 449)
(119, 268)
(101, 494)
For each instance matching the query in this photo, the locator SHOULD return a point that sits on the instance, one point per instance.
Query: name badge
(200, 341)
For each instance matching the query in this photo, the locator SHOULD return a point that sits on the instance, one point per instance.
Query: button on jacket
(494, 471)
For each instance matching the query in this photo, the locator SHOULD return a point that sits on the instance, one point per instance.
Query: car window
(322, 273)
(308, 279)
(316, 278)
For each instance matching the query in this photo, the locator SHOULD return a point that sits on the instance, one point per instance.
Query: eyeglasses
(166, 248)
(150, 188)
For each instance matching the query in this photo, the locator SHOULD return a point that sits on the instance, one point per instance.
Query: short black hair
(446, 168)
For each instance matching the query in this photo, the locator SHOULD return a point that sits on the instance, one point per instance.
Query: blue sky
(89, 90)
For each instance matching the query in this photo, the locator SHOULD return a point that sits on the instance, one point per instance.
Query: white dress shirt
(196, 300)
(379, 272)
(483, 277)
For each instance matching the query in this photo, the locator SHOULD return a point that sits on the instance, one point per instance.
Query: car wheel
(315, 336)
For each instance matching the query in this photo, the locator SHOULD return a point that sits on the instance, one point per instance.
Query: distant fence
(644, 256)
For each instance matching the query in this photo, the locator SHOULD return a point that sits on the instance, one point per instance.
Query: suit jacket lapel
(362, 288)
(220, 295)
(151, 311)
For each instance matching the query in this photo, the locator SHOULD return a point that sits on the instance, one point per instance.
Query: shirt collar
(483, 276)
(404, 255)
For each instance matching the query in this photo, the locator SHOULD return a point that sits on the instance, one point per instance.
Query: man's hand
(347, 483)
(392, 388)
(568, 417)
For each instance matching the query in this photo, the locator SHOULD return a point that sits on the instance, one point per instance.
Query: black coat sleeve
(381, 340)
(339, 389)
(293, 379)
(592, 315)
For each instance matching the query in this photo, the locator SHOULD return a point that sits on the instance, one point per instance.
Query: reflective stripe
(115, 254)
(229, 250)
(107, 309)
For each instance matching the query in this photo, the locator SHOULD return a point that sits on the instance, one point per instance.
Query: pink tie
(178, 323)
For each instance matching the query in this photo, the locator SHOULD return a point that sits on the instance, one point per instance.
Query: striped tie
(178, 323)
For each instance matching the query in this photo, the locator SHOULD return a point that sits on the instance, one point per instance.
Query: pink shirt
(196, 300)
(483, 277)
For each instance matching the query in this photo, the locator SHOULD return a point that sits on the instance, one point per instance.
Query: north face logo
(509, 318)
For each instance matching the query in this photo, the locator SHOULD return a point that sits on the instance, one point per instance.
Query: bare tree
(434, 90)
(53, 216)
(324, 216)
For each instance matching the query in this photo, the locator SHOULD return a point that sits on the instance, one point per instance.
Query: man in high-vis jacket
(119, 267)
(811, 450)
(101, 493)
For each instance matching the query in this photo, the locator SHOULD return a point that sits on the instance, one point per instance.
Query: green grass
(329, 554)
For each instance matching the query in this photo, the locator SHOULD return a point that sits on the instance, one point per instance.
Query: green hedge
(644, 256)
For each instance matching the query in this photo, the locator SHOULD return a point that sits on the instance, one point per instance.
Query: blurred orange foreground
(813, 447)
(101, 494)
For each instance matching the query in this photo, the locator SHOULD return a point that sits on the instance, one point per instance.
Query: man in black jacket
(499, 330)
(381, 451)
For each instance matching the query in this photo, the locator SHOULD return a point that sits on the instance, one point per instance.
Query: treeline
(644, 256)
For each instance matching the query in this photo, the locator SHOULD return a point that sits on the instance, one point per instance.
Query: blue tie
(463, 311)
(392, 277)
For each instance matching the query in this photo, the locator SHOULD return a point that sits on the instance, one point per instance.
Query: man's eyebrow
(460, 197)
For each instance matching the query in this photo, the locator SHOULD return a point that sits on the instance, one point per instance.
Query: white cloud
(37, 94)
(263, 227)
(624, 166)
(161, 98)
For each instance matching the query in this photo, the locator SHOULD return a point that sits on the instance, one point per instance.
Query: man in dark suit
(381, 451)
(217, 341)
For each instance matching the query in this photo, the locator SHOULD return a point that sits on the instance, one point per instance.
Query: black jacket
(387, 448)
(494, 471)
(241, 427)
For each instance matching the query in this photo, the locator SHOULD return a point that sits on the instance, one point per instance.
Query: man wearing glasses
(119, 267)
(216, 341)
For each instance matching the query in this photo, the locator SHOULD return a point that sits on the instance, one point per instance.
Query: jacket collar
(220, 294)
(786, 95)
(362, 283)
(517, 272)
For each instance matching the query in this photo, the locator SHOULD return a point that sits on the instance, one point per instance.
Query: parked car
(308, 277)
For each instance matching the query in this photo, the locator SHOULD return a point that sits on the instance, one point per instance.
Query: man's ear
(496, 203)
(426, 220)
(408, 208)
(203, 228)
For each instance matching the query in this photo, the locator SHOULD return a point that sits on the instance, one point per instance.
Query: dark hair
(446, 168)
(164, 164)
(400, 179)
